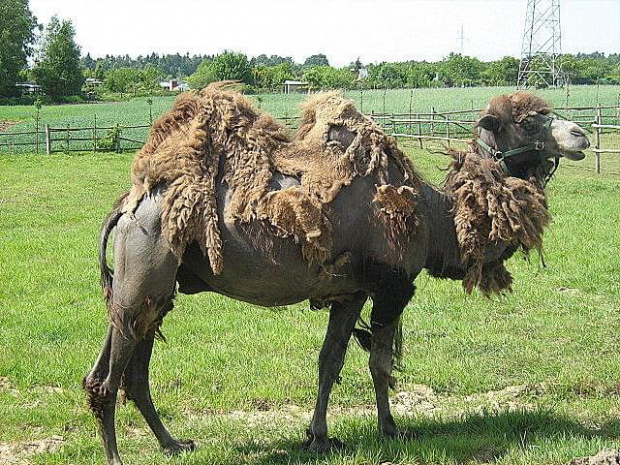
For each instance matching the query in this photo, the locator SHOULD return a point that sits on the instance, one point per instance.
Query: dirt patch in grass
(416, 399)
(5, 383)
(4, 125)
(605, 457)
(19, 453)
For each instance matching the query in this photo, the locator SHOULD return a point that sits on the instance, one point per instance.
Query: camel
(224, 201)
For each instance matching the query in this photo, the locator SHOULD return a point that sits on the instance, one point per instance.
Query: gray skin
(147, 275)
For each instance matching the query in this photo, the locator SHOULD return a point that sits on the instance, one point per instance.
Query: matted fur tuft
(517, 106)
(491, 207)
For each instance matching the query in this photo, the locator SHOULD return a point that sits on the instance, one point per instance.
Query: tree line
(455, 70)
(52, 59)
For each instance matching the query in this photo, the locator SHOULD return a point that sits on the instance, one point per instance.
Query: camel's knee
(135, 320)
(98, 394)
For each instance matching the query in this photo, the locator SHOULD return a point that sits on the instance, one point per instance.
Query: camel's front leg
(392, 291)
(380, 363)
(342, 319)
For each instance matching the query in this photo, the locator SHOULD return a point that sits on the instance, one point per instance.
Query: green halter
(537, 146)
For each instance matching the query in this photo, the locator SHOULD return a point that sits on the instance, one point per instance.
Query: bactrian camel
(223, 200)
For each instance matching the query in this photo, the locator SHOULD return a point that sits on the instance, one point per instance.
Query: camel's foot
(387, 426)
(177, 447)
(322, 444)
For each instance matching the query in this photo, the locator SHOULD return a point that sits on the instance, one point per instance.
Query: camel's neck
(443, 258)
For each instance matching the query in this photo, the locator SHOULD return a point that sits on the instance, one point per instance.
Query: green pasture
(137, 111)
(531, 378)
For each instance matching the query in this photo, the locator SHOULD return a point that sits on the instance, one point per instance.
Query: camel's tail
(107, 274)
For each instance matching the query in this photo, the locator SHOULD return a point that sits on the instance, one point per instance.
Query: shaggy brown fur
(491, 207)
(398, 205)
(514, 108)
(184, 151)
(328, 164)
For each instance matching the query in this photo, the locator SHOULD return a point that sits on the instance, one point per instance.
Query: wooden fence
(445, 126)
(116, 138)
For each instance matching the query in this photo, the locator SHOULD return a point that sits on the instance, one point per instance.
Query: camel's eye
(530, 124)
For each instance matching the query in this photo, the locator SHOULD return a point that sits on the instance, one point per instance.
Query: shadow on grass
(477, 438)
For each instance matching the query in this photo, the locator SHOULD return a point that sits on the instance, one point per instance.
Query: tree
(88, 63)
(273, 60)
(58, 69)
(503, 72)
(420, 74)
(461, 70)
(272, 77)
(326, 77)
(122, 80)
(17, 25)
(232, 66)
(203, 76)
(316, 60)
(126, 80)
(387, 75)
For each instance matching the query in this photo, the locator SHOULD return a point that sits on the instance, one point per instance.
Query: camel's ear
(341, 135)
(490, 123)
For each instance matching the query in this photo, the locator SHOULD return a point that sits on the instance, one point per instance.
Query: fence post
(432, 121)
(67, 138)
(599, 121)
(447, 117)
(410, 102)
(384, 95)
(95, 133)
(417, 116)
(36, 135)
(362, 101)
(118, 138)
(48, 140)
(393, 124)
(150, 102)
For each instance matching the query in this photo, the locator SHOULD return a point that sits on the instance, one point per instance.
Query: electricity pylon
(542, 45)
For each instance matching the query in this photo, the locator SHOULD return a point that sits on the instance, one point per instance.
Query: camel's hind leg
(342, 319)
(137, 389)
(143, 288)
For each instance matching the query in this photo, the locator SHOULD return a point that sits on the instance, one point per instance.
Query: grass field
(138, 112)
(532, 378)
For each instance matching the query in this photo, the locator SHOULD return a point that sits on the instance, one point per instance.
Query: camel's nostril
(578, 133)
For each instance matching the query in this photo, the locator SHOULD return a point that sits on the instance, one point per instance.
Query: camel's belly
(282, 279)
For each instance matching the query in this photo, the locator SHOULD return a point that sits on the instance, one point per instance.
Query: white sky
(374, 30)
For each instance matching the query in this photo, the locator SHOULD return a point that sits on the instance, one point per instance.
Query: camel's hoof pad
(184, 445)
(322, 445)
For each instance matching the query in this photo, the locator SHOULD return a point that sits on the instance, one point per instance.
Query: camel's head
(521, 131)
